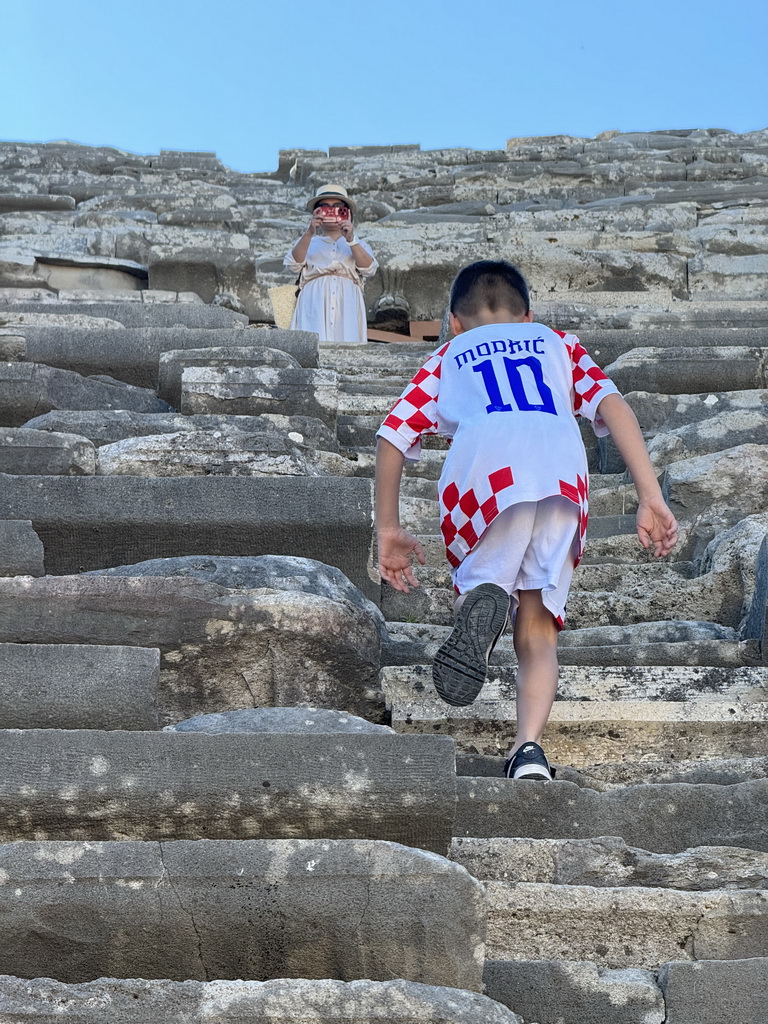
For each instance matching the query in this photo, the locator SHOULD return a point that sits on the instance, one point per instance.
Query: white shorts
(532, 545)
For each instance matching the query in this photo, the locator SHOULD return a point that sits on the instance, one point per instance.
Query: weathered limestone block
(139, 314)
(73, 686)
(173, 363)
(608, 861)
(203, 453)
(132, 354)
(670, 683)
(690, 370)
(579, 993)
(670, 413)
(12, 347)
(664, 818)
(284, 573)
(29, 389)
(732, 483)
(21, 550)
(189, 785)
(10, 201)
(204, 271)
(283, 1001)
(711, 991)
(97, 522)
(285, 721)
(252, 390)
(741, 277)
(624, 927)
(222, 648)
(108, 427)
(45, 453)
(247, 911)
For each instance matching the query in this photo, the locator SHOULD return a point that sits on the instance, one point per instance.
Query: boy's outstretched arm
(395, 544)
(655, 523)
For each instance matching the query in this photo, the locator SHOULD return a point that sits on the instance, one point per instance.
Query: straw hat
(332, 192)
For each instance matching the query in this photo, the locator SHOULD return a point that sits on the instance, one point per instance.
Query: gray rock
(222, 649)
(253, 390)
(711, 991)
(283, 1001)
(108, 427)
(731, 483)
(191, 785)
(688, 371)
(97, 522)
(579, 993)
(203, 453)
(29, 389)
(21, 550)
(246, 911)
(173, 363)
(72, 686)
(305, 721)
(661, 818)
(132, 354)
(45, 453)
(607, 861)
(285, 573)
(141, 314)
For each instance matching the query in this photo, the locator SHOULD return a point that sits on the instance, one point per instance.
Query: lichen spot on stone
(219, 627)
(4, 876)
(98, 766)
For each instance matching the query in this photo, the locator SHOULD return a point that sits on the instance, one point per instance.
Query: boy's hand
(656, 525)
(395, 550)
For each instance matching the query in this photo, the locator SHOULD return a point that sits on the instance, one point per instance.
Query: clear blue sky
(245, 78)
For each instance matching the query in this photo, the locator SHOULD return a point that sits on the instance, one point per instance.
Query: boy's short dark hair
(489, 284)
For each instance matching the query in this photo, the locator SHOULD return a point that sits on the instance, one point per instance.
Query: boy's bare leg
(535, 640)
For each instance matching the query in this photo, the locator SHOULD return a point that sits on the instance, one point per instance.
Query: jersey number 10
(517, 384)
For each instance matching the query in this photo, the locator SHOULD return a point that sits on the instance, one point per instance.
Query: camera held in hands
(332, 213)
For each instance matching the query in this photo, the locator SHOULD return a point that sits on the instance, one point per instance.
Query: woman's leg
(535, 640)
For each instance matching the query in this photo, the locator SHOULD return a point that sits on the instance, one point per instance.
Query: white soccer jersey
(508, 395)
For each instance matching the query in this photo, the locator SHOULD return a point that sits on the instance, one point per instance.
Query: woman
(332, 263)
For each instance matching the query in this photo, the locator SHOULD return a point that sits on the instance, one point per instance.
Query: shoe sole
(461, 664)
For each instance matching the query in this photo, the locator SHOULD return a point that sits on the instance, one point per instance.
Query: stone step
(601, 595)
(633, 644)
(248, 910)
(607, 861)
(234, 632)
(716, 771)
(31, 389)
(581, 733)
(686, 684)
(606, 345)
(192, 785)
(254, 390)
(283, 1001)
(137, 314)
(132, 354)
(583, 993)
(104, 427)
(663, 818)
(624, 927)
(172, 364)
(73, 686)
(690, 371)
(95, 522)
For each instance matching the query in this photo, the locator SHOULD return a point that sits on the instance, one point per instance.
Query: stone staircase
(229, 791)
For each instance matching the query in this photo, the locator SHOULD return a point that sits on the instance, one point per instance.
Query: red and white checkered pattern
(466, 516)
(415, 412)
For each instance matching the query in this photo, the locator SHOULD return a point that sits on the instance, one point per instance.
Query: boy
(513, 491)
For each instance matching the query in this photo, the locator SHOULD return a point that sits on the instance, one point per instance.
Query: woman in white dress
(332, 263)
